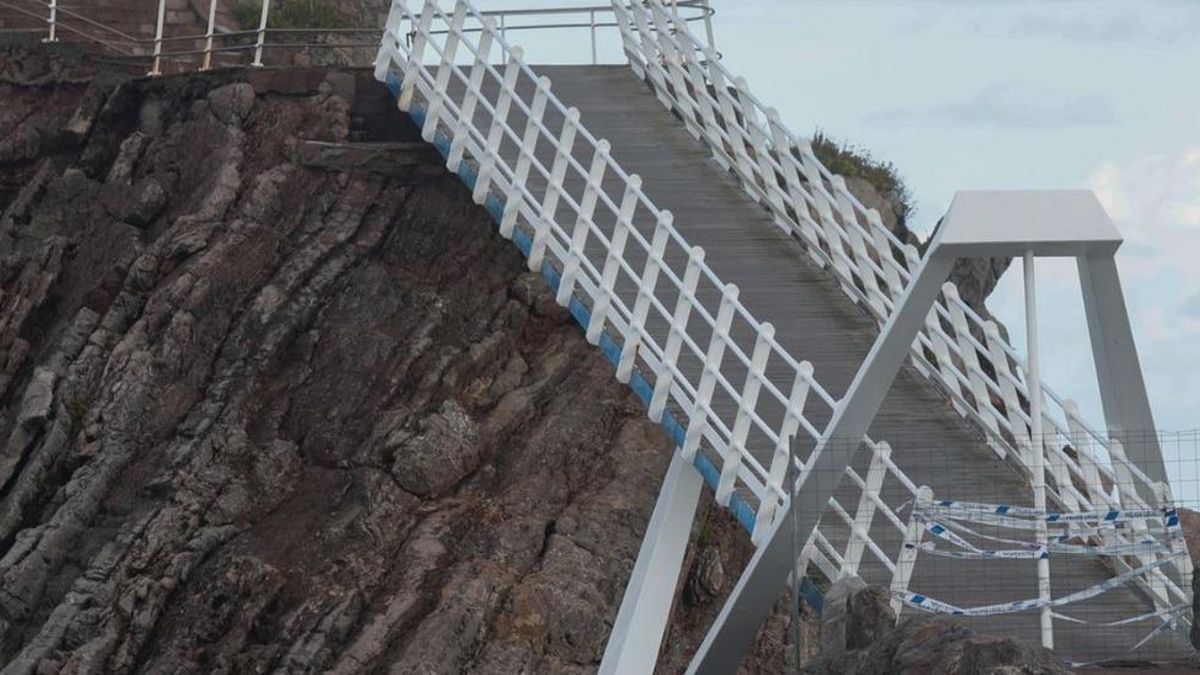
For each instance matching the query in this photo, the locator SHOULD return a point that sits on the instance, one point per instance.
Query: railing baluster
(641, 306)
(679, 322)
(262, 33)
(156, 64)
(208, 34)
(858, 248)
(612, 261)
(416, 53)
(741, 425)
(970, 357)
(865, 514)
(548, 215)
(782, 459)
(462, 130)
(529, 142)
(907, 558)
(1008, 390)
(441, 84)
(583, 222)
(491, 155)
(698, 418)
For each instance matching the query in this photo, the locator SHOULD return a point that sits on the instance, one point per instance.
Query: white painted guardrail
(959, 350)
(548, 182)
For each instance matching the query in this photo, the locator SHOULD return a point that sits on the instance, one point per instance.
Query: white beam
(638, 631)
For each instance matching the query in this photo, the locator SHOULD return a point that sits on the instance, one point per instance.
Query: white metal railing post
(474, 91)
(441, 85)
(698, 417)
(416, 53)
(679, 322)
(208, 35)
(491, 155)
(907, 558)
(583, 222)
(1038, 456)
(732, 462)
(970, 357)
(53, 21)
(529, 141)
(397, 13)
(860, 532)
(782, 458)
(554, 189)
(156, 65)
(1081, 442)
(262, 33)
(645, 291)
(612, 260)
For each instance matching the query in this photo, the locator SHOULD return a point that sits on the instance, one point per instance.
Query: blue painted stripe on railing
(738, 506)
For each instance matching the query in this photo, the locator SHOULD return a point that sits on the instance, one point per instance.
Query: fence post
(781, 461)
(679, 322)
(698, 419)
(583, 222)
(466, 123)
(970, 357)
(741, 424)
(554, 189)
(441, 84)
(208, 35)
(612, 260)
(908, 550)
(865, 513)
(858, 248)
(525, 156)
(53, 36)
(645, 291)
(156, 66)
(1008, 389)
(491, 155)
(262, 33)
(391, 35)
(1094, 489)
(412, 72)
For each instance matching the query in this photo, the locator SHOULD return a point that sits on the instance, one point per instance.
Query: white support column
(638, 631)
(1118, 370)
(1037, 468)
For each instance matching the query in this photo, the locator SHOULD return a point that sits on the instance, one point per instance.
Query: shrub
(854, 162)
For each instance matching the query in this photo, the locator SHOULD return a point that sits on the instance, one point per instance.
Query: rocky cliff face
(261, 417)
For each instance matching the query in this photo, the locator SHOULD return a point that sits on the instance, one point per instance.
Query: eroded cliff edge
(261, 417)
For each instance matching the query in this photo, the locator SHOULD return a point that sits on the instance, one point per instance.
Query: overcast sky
(969, 94)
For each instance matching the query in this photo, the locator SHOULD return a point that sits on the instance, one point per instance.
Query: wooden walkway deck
(816, 321)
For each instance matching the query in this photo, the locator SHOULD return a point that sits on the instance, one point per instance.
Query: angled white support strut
(978, 224)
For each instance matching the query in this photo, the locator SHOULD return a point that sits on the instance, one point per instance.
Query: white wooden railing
(616, 260)
(959, 350)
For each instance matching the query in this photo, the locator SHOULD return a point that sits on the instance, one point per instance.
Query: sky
(1007, 94)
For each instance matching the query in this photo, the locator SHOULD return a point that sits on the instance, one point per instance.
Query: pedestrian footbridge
(739, 287)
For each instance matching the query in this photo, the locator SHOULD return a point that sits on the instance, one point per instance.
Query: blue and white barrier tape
(935, 606)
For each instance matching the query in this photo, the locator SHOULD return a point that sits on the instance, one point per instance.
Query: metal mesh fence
(1102, 572)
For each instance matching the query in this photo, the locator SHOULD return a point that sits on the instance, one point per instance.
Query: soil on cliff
(256, 416)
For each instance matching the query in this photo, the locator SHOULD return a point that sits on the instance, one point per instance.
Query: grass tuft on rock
(851, 161)
(291, 14)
